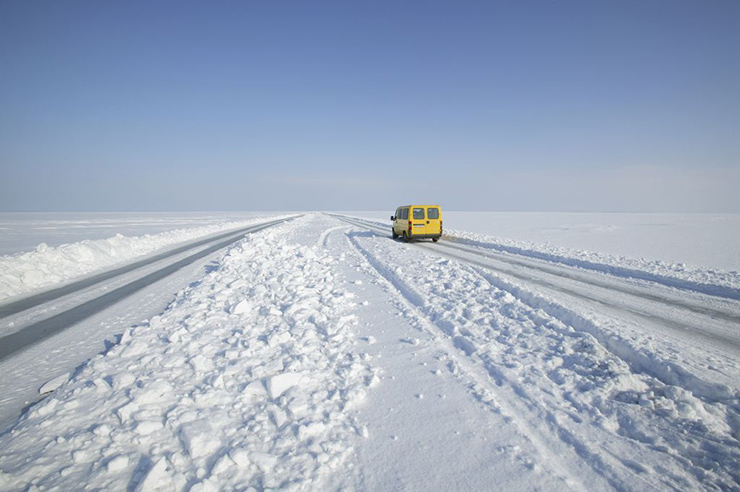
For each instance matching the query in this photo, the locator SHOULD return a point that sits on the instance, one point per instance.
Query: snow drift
(45, 266)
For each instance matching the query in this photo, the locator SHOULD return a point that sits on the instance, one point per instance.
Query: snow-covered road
(29, 318)
(48, 334)
(321, 354)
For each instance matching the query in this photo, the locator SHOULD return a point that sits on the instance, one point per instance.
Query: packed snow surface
(45, 266)
(722, 249)
(709, 241)
(322, 355)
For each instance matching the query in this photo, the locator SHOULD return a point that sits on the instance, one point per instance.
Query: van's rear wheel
(405, 237)
(435, 239)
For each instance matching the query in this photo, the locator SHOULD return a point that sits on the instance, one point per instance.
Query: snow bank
(679, 275)
(45, 266)
(246, 380)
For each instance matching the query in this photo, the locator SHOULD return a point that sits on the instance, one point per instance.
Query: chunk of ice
(55, 383)
(277, 385)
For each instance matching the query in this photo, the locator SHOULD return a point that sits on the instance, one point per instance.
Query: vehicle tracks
(602, 460)
(39, 330)
(554, 443)
(719, 326)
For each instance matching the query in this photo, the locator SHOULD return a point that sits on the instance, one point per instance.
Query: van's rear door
(419, 218)
(433, 220)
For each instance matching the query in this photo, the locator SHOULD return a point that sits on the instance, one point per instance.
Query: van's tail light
(410, 224)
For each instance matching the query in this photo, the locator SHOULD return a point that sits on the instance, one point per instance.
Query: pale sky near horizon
(531, 105)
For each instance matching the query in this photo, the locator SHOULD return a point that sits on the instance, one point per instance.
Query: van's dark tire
(405, 237)
(435, 239)
(393, 233)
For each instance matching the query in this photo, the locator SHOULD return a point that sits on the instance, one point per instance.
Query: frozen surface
(319, 355)
(703, 240)
(46, 265)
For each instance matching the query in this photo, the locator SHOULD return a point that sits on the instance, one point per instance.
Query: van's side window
(398, 213)
(405, 212)
(433, 213)
(418, 214)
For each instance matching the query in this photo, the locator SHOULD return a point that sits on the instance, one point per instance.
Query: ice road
(319, 354)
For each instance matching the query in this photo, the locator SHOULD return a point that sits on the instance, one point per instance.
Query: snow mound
(46, 266)
(214, 394)
(707, 280)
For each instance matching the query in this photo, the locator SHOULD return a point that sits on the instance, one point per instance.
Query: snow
(719, 248)
(280, 383)
(709, 241)
(24, 231)
(181, 378)
(53, 384)
(45, 266)
(320, 355)
(603, 401)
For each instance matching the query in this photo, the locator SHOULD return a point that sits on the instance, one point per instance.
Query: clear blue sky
(245, 105)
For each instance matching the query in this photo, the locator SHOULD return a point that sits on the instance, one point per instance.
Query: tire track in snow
(637, 306)
(324, 237)
(38, 331)
(690, 450)
(571, 273)
(18, 305)
(667, 372)
(412, 303)
(513, 254)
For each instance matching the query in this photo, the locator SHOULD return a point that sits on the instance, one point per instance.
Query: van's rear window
(418, 214)
(432, 213)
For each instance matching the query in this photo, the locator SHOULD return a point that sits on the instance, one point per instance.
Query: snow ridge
(708, 281)
(248, 379)
(45, 266)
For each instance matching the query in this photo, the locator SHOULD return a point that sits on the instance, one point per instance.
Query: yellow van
(417, 222)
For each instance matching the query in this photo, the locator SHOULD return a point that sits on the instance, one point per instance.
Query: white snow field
(44, 266)
(319, 354)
